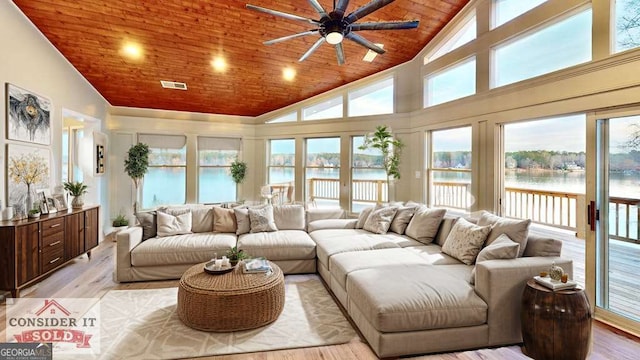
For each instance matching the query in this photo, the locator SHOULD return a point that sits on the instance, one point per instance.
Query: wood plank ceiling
(180, 38)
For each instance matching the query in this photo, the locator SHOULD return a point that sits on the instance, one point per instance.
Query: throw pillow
(465, 241)
(402, 219)
(242, 220)
(517, 230)
(201, 219)
(364, 215)
(500, 248)
(262, 219)
(424, 224)
(173, 225)
(380, 220)
(148, 223)
(289, 217)
(224, 220)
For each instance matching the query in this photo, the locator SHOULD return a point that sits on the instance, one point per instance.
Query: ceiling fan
(335, 26)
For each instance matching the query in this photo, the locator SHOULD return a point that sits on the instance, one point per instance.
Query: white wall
(29, 61)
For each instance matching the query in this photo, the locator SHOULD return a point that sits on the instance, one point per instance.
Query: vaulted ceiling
(180, 38)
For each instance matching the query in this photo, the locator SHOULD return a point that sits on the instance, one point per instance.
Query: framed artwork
(59, 201)
(28, 116)
(51, 203)
(100, 160)
(44, 205)
(27, 170)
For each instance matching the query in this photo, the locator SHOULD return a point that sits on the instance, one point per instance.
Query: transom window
(464, 34)
(373, 99)
(285, 118)
(329, 109)
(451, 83)
(507, 10)
(165, 182)
(627, 19)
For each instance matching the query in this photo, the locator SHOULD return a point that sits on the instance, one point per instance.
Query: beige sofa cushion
(242, 220)
(419, 297)
(542, 246)
(279, 245)
(181, 249)
(432, 254)
(289, 217)
(379, 220)
(173, 225)
(445, 228)
(335, 241)
(363, 216)
(465, 241)
(500, 248)
(148, 222)
(402, 219)
(424, 224)
(224, 220)
(332, 224)
(517, 230)
(201, 215)
(262, 219)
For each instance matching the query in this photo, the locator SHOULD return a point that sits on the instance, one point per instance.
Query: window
(368, 178)
(285, 118)
(552, 48)
(450, 168)
(330, 109)
(165, 183)
(215, 156)
(507, 10)
(322, 171)
(452, 83)
(282, 161)
(627, 24)
(463, 35)
(372, 100)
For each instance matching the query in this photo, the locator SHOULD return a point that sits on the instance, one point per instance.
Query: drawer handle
(54, 260)
(55, 243)
(54, 225)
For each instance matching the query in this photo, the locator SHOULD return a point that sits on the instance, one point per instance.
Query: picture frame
(44, 206)
(51, 202)
(60, 201)
(28, 116)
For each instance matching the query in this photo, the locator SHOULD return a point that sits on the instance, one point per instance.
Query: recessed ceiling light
(288, 74)
(132, 50)
(370, 55)
(219, 64)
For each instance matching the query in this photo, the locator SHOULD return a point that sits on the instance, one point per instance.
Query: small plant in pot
(234, 255)
(34, 213)
(77, 190)
(120, 221)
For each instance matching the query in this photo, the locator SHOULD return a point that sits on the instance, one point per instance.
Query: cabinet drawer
(52, 226)
(52, 240)
(52, 258)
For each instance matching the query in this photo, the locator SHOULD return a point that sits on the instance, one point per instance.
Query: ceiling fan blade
(282, 14)
(364, 42)
(391, 25)
(312, 49)
(316, 5)
(341, 7)
(366, 10)
(289, 37)
(339, 53)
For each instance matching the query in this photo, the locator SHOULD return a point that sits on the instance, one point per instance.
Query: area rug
(143, 324)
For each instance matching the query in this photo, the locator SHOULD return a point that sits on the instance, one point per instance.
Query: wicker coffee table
(230, 302)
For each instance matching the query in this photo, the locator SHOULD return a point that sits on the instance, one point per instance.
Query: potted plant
(238, 171)
(77, 190)
(234, 255)
(34, 213)
(391, 149)
(120, 221)
(136, 165)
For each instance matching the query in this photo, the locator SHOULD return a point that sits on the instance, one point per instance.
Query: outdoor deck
(624, 282)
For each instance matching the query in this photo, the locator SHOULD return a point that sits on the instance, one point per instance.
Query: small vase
(77, 202)
(29, 204)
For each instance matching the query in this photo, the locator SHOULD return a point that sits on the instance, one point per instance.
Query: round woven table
(230, 302)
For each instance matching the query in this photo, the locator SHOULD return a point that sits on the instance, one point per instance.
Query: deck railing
(555, 208)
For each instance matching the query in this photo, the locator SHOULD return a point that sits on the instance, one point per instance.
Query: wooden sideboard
(31, 249)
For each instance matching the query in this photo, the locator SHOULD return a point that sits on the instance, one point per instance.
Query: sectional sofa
(413, 279)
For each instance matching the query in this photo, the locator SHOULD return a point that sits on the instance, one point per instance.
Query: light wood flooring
(84, 278)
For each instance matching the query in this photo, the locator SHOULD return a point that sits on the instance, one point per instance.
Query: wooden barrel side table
(555, 324)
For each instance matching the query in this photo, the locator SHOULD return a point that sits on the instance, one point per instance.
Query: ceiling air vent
(173, 85)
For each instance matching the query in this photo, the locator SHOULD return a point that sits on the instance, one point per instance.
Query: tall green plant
(391, 149)
(238, 171)
(136, 165)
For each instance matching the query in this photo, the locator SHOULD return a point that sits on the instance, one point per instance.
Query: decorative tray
(208, 268)
(555, 284)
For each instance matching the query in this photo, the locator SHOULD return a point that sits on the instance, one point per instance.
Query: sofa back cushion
(402, 219)
(289, 217)
(542, 246)
(201, 216)
(424, 224)
(174, 225)
(501, 248)
(517, 230)
(445, 228)
(262, 219)
(224, 220)
(148, 222)
(465, 241)
(364, 215)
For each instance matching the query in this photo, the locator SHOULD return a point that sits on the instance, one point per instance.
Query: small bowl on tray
(209, 268)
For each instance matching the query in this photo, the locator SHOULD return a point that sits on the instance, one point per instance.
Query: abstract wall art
(29, 116)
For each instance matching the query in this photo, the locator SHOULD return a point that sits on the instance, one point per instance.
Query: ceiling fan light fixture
(334, 38)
